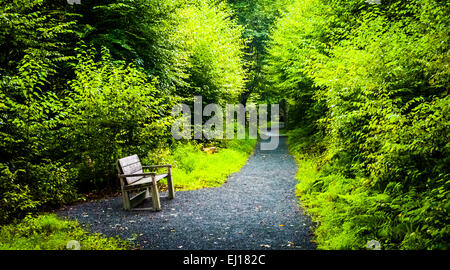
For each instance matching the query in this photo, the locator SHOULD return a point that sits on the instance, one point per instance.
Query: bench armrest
(137, 174)
(157, 166)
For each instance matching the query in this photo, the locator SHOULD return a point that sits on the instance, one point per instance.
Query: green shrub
(16, 199)
(114, 111)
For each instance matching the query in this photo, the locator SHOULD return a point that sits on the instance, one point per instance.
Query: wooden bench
(133, 178)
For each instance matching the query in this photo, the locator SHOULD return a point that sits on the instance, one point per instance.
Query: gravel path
(255, 209)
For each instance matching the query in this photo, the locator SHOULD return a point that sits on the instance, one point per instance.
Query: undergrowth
(351, 211)
(48, 232)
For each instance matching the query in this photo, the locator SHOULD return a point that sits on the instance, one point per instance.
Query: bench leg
(155, 195)
(170, 184)
(126, 200)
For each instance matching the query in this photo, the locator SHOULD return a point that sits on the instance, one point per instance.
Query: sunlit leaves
(113, 108)
(384, 84)
(215, 49)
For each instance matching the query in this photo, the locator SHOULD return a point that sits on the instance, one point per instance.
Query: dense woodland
(365, 82)
(368, 88)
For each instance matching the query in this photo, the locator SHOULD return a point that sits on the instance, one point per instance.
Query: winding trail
(255, 209)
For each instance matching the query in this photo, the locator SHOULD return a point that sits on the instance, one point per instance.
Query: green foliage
(351, 211)
(193, 47)
(139, 32)
(48, 232)
(300, 37)
(113, 112)
(33, 40)
(257, 17)
(16, 198)
(32, 28)
(373, 89)
(215, 49)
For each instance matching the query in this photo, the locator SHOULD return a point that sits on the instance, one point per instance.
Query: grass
(48, 232)
(196, 169)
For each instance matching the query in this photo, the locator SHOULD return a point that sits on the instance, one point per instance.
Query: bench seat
(146, 180)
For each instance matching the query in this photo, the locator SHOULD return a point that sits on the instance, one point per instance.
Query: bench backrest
(130, 165)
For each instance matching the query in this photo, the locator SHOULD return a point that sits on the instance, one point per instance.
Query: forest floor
(256, 208)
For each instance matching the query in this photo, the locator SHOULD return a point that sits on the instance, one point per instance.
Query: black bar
(224, 259)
